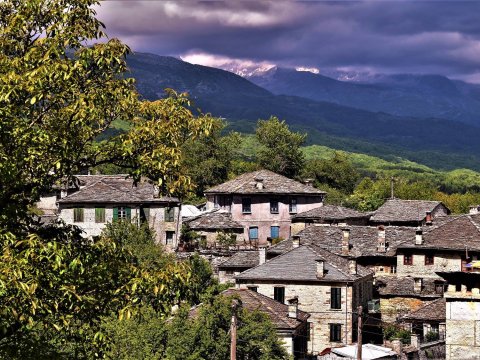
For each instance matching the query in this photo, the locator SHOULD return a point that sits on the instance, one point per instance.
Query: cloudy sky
(393, 36)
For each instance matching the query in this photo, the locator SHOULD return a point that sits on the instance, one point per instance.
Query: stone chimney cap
(293, 300)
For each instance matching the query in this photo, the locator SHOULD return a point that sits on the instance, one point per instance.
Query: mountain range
(427, 119)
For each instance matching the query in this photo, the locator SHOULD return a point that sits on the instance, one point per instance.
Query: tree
(206, 334)
(57, 96)
(337, 172)
(208, 159)
(280, 148)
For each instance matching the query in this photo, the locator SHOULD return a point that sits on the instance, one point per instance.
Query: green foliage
(208, 159)
(337, 172)
(280, 148)
(392, 332)
(431, 336)
(226, 239)
(206, 336)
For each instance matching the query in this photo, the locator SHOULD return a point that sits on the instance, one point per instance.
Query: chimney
(428, 218)
(345, 241)
(293, 308)
(309, 182)
(156, 191)
(269, 241)
(474, 209)
(295, 241)
(320, 268)
(352, 266)
(262, 253)
(418, 236)
(381, 242)
(418, 285)
(259, 183)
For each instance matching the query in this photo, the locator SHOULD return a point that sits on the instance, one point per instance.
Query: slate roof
(330, 212)
(432, 311)
(451, 233)
(215, 220)
(113, 189)
(363, 239)
(300, 264)
(276, 311)
(404, 286)
(397, 210)
(241, 259)
(272, 184)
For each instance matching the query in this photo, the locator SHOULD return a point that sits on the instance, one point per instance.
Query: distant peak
(312, 70)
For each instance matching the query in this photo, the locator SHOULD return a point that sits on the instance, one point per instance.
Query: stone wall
(463, 328)
(394, 307)
(156, 221)
(441, 262)
(315, 299)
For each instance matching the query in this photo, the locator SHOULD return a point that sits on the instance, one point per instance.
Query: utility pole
(233, 331)
(359, 333)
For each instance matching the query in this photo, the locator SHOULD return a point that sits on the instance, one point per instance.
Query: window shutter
(128, 211)
(115, 213)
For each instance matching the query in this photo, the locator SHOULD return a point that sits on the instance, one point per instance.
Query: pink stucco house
(263, 202)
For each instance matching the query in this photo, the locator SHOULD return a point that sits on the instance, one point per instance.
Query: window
(99, 214)
(393, 269)
(253, 288)
(169, 237)
(246, 205)
(122, 212)
(144, 214)
(292, 207)
(335, 298)
(274, 232)
(274, 206)
(335, 332)
(429, 259)
(78, 215)
(439, 289)
(279, 294)
(407, 259)
(229, 272)
(253, 233)
(169, 214)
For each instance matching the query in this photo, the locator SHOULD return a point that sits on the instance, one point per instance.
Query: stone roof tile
(272, 184)
(432, 311)
(398, 210)
(330, 212)
(215, 220)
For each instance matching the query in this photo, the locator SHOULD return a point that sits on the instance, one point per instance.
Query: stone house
(372, 247)
(428, 321)
(408, 212)
(263, 203)
(238, 263)
(399, 295)
(329, 215)
(211, 224)
(462, 340)
(100, 199)
(447, 245)
(327, 286)
(290, 323)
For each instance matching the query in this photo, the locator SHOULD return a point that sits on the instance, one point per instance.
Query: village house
(212, 225)
(462, 340)
(329, 215)
(263, 203)
(327, 286)
(428, 321)
(101, 199)
(290, 323)
(408, 212)
(238, 263)
(372, 247)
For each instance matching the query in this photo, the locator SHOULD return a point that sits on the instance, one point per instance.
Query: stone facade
(156, 221)
(261, 215)
(315, 299)
(442, 261)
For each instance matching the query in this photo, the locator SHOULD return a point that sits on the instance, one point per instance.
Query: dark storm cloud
(382, 36)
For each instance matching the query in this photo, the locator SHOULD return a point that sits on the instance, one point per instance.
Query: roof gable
(300, 264)
(398, 210)
(272, 183)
